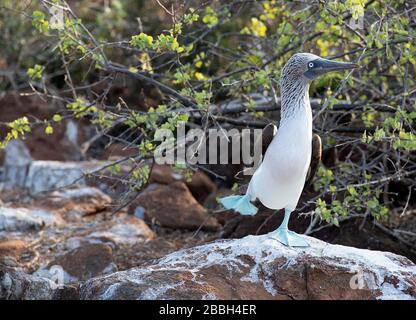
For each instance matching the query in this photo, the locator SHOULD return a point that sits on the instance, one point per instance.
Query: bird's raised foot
(288, 238)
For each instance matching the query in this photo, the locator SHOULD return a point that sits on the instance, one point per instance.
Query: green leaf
(210, 18)
(39, 22)
(57, 118)
(36, 72)
(372, 204)
(191, 17)
(142, 41)
(48, 129)
(352, 191)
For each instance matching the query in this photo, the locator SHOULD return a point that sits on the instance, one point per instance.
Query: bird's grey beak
(329, 65)
(321, 66)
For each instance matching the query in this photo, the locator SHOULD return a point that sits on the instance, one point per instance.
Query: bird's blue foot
(288, 238)
(241, 204)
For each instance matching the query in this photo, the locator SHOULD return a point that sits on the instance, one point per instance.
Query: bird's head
(307, 67)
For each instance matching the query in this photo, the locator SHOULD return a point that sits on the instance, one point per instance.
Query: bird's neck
(295, 103)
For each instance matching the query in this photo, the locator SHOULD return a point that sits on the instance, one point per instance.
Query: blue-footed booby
(279, 180)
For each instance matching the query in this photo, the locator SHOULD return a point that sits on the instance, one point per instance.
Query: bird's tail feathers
(241, 204)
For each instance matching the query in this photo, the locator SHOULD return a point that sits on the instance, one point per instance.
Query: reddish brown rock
(83, 263)
(118, 150)
(262, 268)
(163, 174)
(173, 206)
(12, 247)
(62, 145)
(14, 252)
(200, 185)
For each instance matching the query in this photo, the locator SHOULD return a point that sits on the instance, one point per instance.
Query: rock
(67, 135)
(212, 204)
(36, 162)
(139, 212)
(126, 231)
(122, 230)
(368, 237)
(12, 247)
(16, 162)
(77, 242)
(47, 175)
(173, 206)
(11, 251)
(16, 285)
(81, 264)
(262, 268)
(266, 220)
(17, 154)
(12, 194)
(22, 219)
(81, 193)
(200, 185)
(118, 150)
(163, 174)
(40, 176)
(63, 144)
(75, 202)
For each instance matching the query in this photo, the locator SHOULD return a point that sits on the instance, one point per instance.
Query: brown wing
(267, 136)
(315, 159)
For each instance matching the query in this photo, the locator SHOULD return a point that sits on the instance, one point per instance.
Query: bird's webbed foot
(288, 238)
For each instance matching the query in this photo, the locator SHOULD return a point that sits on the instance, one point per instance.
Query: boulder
(12, 247)
(258, 267)
(13, 251)
(22, 219)
(17, 285)
(75, 202)
(123, 231)
(163, 174)
(173, 206)
(10, 194)
(21, 170)
(48, 175)
(118, 150)
(62, 145)
(81, 264)
(16, 162)
(200, 185)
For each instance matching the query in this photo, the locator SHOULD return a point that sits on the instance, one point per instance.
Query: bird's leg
(285, 223)
(287, 237)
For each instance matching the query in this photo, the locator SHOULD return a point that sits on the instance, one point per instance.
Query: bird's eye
(310, 64)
